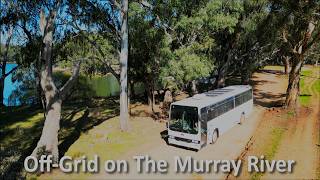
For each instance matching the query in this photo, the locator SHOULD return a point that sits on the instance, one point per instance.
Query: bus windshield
(184, 119)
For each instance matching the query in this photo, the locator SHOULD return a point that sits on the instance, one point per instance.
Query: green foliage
(313, 56)
(222, 15)
(185, 67)
(74, 47)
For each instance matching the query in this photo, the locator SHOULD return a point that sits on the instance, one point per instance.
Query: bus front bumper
(184, 144)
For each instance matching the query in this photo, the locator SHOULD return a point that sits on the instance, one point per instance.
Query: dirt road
(228, 147)
(269, 89)
(300, 141)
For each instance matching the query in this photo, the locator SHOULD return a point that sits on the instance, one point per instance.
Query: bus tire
(242, 118)
(214, 136)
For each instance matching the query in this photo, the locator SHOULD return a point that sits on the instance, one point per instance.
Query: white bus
(199, 120)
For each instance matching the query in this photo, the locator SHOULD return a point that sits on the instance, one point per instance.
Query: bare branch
(98, 48)
(68, 85)
(11, 71)
(314, 40)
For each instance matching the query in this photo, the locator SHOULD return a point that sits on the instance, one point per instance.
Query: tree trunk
(2, 79)
(286, 64)
(293, 89)
(167, 101)
(150, 96)
(48, 143)
(245, 77)
(1, 91)
(167, 97)
(124, 114)
(297, 60)
(224, 66)
(4, 65)
(220, 81)
(194, 89)
(37, 74)
(150, 102)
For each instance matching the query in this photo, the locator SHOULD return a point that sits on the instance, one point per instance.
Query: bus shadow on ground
(164, 136)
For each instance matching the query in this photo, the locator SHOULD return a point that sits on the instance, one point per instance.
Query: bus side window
(204, 115)
(211, 114)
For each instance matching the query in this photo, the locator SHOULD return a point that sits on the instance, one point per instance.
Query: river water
(95, 86)
(9, 85)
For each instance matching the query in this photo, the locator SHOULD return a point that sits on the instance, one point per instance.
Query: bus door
(203, 126)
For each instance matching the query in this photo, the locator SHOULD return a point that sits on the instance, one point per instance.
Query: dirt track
(229, 146)
(269, 89)
(299, 142)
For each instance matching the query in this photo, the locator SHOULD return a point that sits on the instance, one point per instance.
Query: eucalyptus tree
(52, 24)
(59, 39)
(251, 47)
(124, 50)
(147, 45)
(111, 19)
(300, 30)
(48, 142)
(204, 41)
(20, 16)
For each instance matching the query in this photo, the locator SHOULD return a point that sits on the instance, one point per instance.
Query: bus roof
(212, 97)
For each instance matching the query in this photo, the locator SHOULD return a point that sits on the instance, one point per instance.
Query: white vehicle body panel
(222, 123)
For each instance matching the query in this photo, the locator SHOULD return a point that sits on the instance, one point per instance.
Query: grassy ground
(305, 94)
(108, 142)
(21, 129)
(274, 68)
(270, 147)
(18, 132)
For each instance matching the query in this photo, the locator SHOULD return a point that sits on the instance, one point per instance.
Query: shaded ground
(21, 131)
(90, 128)
(269, 88)
(145, 139)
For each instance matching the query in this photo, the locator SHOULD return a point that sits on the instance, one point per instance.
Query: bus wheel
(242, 118)
(215, 136)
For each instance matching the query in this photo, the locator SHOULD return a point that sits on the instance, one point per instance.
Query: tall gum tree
(124, 113)
(298, 57)
(104, 14)
(54, 97)
(300, 33)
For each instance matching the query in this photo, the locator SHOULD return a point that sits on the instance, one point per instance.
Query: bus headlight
(195, 141)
